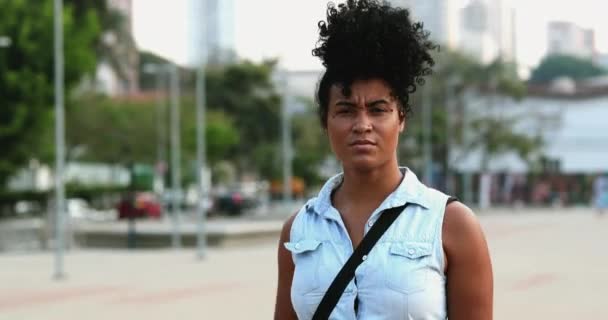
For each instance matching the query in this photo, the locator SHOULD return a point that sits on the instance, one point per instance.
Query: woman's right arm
(283, 307)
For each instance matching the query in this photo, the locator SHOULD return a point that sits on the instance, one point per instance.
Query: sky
(287, 29)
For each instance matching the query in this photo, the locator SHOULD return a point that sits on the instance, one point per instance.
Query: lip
(362, 142)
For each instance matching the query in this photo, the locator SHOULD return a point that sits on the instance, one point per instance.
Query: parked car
(78, 209)
(233, 203)
(139, 205)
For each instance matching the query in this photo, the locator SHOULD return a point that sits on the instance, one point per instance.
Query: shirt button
(297, 246)
(364, 257)
(369, 224)
(411, 251)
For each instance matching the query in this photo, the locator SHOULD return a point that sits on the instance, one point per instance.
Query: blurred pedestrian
(600, 192)
(432, 260)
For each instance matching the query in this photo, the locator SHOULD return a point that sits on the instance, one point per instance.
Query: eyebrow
(345, 103)
(352, 104)
(378, 101)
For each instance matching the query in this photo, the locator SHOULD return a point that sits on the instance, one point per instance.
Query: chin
(362, 164)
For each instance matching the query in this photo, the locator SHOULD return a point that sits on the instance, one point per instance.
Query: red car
(142, 205)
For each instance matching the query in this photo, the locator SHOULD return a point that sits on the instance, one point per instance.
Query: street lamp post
(286, 136)
(201, 161)
(450, 101)
(279, 78)
(175, 157)
(427, 115)
(59, 140)
(159, 71)
(287, 151)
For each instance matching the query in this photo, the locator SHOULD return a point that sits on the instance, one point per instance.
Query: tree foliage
(112, 131)
(245, 92)
(555, 66)
(121, 131)
(242, 123)
(311, 144)
(27, 74)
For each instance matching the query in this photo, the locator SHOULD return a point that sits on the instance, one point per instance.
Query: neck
(370, 186)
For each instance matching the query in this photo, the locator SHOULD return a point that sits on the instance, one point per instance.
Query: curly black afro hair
(364, 39)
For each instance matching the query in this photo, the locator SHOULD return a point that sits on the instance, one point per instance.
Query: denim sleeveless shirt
(401, 278)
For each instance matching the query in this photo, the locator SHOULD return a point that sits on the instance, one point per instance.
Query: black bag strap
(347, 273)
(451, 199)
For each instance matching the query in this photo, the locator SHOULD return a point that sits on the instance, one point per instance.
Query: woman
(433, 261)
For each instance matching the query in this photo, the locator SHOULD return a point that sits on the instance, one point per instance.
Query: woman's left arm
(469, 269)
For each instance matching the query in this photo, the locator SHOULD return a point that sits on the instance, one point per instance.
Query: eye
(345, 110)
(378, 109)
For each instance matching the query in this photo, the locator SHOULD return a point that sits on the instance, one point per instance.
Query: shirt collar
(410, 190)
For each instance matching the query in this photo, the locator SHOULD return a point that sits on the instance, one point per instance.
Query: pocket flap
(302, 245)
(412, 250)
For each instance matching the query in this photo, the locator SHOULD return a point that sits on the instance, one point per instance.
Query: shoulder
(468, 265)
(286, 229)
(460, 224)
(289, 223)
(463, 237)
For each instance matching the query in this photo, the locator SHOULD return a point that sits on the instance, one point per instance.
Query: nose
(362, 123)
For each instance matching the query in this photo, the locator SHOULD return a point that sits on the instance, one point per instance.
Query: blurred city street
(548, 264)
(124, 124)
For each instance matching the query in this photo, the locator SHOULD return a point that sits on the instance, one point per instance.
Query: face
(364, 128)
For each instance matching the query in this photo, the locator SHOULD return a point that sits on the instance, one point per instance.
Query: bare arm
(283, 307)
(469, 269)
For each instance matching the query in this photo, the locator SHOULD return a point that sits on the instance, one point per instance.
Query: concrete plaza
(548, 264)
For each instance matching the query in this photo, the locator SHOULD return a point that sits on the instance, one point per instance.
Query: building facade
(488, 30)
(121, 76)
(484, 29)
(570, 39)
(440, 17)
(570, 120)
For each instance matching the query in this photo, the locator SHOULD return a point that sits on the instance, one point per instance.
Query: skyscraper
(439, 17)
(488, 30)
(211, 31)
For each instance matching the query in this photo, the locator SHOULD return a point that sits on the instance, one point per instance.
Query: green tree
(112, 131)
(26, 74)
(118, 131)
(555, 66)
(311, 145)
(221, 136)
(245, 92)
(242, 124)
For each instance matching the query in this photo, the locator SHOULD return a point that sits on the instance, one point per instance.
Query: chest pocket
(307, 260)
(407, 266)
(316, 265)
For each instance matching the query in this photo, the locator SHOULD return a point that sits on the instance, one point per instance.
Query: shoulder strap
(347, 273)
(451, 199)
